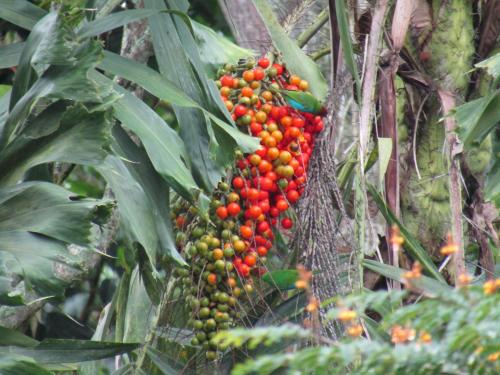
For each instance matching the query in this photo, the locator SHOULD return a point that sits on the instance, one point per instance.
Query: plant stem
(320, 53)
(308, 33)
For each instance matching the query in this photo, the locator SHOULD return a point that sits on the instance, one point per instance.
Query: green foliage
(461, 324)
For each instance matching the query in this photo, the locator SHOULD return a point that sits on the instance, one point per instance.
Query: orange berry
(273, 153)
(278, 135)
(261, 117)
(225, 91)
(247, 92)
(248, 75)
(347, 315)
(267, 95)
(303, 85)
(285, 157)
(217, 254)
(270, 141)
(246, 232)
(212, 279)
(286, 121)
(239, 246)
(294, 80)
(255, 159)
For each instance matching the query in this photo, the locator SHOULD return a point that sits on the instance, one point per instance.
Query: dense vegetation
(183, 191)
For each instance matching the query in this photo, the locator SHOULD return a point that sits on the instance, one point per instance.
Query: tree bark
(246, 24)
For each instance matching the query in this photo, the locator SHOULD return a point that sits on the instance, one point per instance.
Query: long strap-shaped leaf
(411, 243)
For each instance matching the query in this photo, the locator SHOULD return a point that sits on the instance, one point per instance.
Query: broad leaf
(11, 364)
(37, 221)
(72, 135)
(21, 13)
(11, 337)
(296, 60)
(163, 145)
(476, 119)
(10, 54)
(492, 65)
(143, 197)
(69, 351)
(216, 50)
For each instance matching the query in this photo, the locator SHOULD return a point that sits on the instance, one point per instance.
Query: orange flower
(355, 330)
(425, 337)
(489, 287)
(450, 248)
(400, 335)
(347, 315)
(493, 356)
(313, 305)
(396, 240)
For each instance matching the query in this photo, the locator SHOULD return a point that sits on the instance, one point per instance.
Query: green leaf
(216, 50)
(21, 13)
(69, 351)
(345, 39)
(20, 365)
(411, 243)
(113, 21)
(139, 311)
(492, 65)
(10, 54)
(170, 34)
(166, 365)
(281, 279)
(425, 283)
(163, 145)
(384, 156)
(296, 60)
(11, 337)
(476, 119)
(37, 220)
(58, 82)
(143, 197)
(72, 135)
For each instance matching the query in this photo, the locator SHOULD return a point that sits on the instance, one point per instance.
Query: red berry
(233, 209)
(250, 260)
(262, 251)
(281, 205)
(286, 223)
(264, 62)
(226, 81)
(240, 110)
(254, 212)
(246, 231)
(221, 212)
(238, 182)
(292, 196)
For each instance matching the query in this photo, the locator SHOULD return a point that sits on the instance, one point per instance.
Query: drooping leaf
(281, 279)
(216, 50)
(37, 221)
(11, 337)
(163, 145)
(69, 351)
(411, 243)
(10, 54)
(72, 135)
(11, 364)
(166, 365)
(477, 118)
(143, 197)
(21, 13)
(492, 65)
(345, 39)
(296, 60)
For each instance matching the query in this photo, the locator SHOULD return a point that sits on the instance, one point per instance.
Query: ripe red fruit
(258, 74)
(233, 209)
(244, 270)
(212, 279)
(255, 128)
(240, 110)
(281, 205)
(246, 231)
(252, 194)
(238, 182)
(292, 196)
(254, 212)
(250, 260)
(274, 212)
(279, 68)
(221, 212)
(264, 62)
(226, 81)
(263, 227)
(262, 251)
(286, 223)
(266, 183)
(264, 206)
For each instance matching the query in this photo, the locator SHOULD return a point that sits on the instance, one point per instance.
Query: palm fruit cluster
(229, 247)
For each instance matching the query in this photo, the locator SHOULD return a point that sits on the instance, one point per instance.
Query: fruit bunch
(230, 246)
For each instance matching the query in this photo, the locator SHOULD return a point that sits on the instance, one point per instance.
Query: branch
(308, 33)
